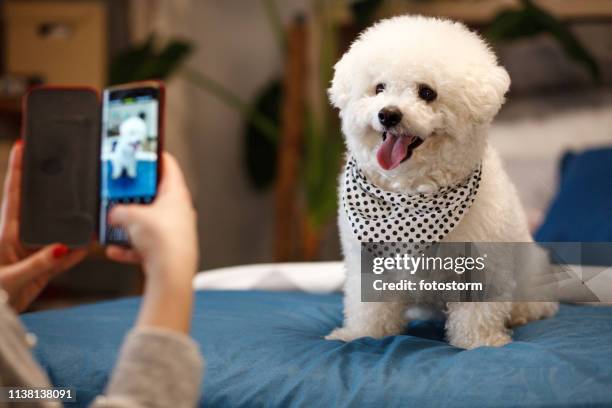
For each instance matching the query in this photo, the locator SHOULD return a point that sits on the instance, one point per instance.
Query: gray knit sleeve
(17, 365)
(155, 368)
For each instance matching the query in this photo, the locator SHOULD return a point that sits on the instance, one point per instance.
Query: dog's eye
(426, 93)
(380, 88)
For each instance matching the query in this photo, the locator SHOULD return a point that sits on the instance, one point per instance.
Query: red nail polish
(18, 142)
(60, 251)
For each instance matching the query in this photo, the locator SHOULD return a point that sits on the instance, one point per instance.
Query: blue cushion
(266, 349)
(582, 209)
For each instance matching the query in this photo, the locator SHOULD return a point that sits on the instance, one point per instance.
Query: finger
(26, 279)
(12, 185)
(123, 255)
(126, 215)
(69, 260)
(172, 176)
(47, 261)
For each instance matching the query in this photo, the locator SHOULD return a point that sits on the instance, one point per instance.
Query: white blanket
(314, 277)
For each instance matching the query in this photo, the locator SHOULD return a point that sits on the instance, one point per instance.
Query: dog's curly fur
(404, 53)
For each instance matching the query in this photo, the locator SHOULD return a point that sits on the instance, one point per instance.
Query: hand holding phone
(163, 234)
(164, 240)
(25, 273)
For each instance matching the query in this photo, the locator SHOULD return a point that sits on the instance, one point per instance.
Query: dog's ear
(339, 92)
(485, 93)
(499, 83)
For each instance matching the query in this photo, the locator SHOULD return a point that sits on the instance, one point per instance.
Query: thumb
(126, 215)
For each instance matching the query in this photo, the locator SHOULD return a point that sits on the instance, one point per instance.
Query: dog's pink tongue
(393, 150)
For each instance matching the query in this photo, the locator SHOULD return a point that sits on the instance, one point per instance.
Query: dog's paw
(492, 340)
(525, 312)
(548, 309)
(517, 320)
(343, 334)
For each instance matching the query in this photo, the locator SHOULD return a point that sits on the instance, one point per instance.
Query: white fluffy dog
(132, 133)
(416, 96)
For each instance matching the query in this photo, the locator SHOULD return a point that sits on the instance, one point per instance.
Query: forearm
(159, 365)
(166, 305)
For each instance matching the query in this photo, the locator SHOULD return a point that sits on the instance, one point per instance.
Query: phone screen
(129, 153)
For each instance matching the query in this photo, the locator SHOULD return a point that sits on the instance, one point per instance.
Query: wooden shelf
(10, 105)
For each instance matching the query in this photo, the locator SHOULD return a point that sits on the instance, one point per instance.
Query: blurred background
(247, 113)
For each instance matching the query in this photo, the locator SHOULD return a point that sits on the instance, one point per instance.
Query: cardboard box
(63, 42)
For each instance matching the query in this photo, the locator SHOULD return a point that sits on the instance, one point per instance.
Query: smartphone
(131, 146)
(59, 184)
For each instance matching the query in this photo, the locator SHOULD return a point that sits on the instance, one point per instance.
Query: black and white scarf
(380, 216)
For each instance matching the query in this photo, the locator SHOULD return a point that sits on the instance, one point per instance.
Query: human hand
(164, 240)
(24, 273)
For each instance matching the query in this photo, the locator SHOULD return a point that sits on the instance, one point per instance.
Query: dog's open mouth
(396, 149)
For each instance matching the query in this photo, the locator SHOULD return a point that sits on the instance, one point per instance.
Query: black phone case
(59, 186)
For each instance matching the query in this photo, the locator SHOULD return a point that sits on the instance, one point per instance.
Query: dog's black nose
(389, 116)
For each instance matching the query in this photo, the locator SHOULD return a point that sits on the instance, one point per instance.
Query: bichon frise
(132, 133)
(416, 96)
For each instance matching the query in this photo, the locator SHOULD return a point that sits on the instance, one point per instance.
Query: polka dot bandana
(380, 216)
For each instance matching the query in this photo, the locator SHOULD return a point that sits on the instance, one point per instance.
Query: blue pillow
(582, 209)
(266, 349)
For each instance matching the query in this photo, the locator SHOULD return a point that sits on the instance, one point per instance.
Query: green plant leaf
(260, 151)
(228, 97)
(321, 166)
(261, 123)
(276, 24)
(364, 12)
(531, 20)
(143, 61)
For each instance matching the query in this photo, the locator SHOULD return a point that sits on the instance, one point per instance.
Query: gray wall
(236, 46)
